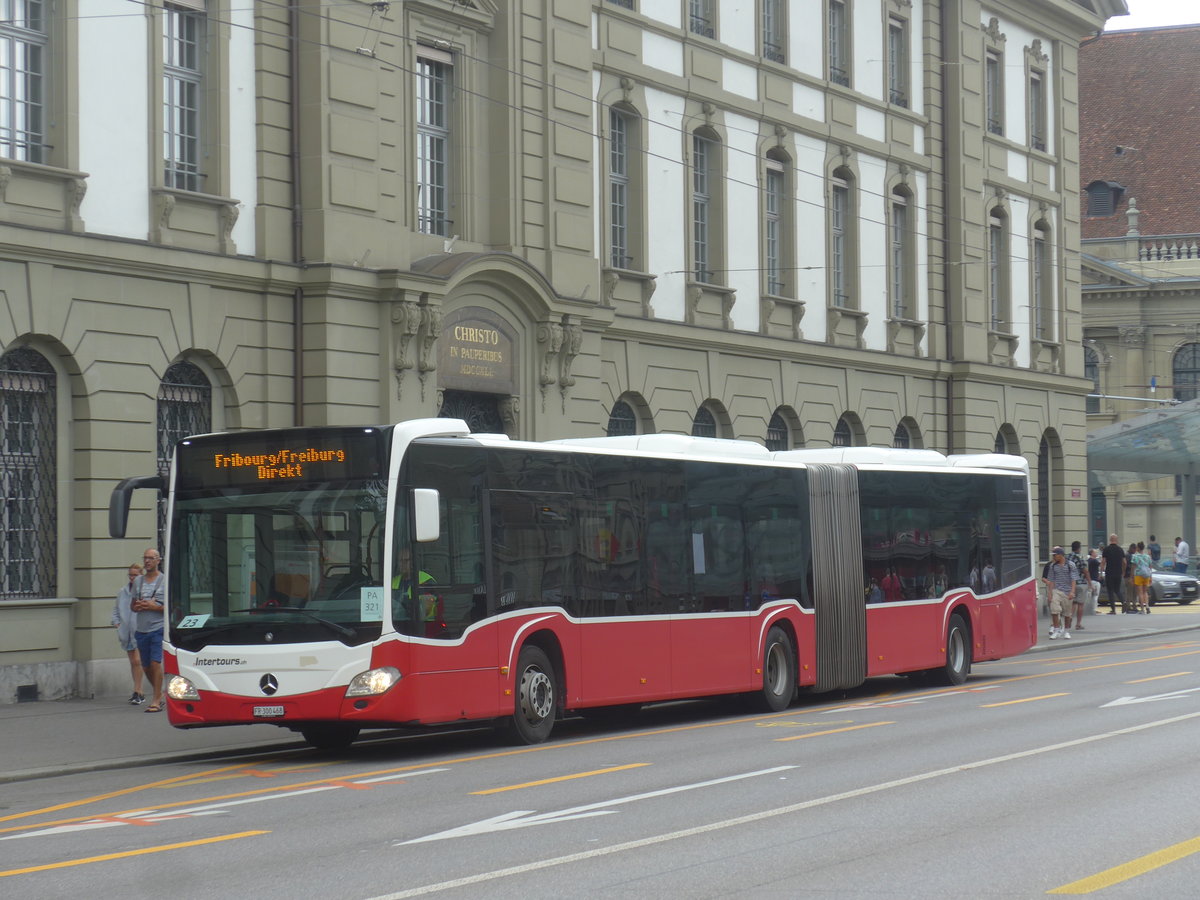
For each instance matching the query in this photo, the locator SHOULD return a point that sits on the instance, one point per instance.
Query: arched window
(901, 440)
(184, 408)
(1091, 371)
(1043, 501)
(622, 420)
(28, 468)
(704, 425)
(843, 436)
(1185, 371)
(777, 433)
(1001, 445)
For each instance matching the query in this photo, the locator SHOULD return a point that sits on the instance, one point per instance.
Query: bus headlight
(373, 682)
(179, 688)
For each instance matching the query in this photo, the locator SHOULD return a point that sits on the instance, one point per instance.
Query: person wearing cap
(1061, 577)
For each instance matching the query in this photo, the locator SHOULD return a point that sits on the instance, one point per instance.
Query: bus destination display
(283, 464)
(297, 456)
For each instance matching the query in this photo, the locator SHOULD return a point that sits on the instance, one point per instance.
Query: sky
(1153, 13)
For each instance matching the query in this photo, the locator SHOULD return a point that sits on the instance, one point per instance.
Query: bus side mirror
(427, 525)
(118, 503)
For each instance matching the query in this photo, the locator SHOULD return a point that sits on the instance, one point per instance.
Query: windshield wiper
(337, 629)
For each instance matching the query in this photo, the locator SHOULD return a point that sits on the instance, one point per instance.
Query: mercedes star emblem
(269, 684)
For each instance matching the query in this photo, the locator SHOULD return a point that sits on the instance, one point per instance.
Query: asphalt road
(1067, 771)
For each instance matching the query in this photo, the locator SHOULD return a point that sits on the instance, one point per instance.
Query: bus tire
(779, 671)
(958, 652)
(330, 737)
(536, 697)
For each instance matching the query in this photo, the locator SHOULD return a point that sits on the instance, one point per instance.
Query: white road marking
(483, 877)
(523, 818)
(1173, 695)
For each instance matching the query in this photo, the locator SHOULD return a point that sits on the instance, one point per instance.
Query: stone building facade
(798, 222)
(1141, 251)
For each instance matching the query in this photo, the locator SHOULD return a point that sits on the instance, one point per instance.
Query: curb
(155, 759)
(1108, 638)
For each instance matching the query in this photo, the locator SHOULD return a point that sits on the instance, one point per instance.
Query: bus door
(533, 542)
(837, 567)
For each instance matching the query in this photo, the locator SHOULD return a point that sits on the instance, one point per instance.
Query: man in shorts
(148, 596)
(1061, 577)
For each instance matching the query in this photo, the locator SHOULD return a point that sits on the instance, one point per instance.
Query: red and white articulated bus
(333, 579)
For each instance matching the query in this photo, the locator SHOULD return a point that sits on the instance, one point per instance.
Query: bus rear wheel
(330, 737)
(779, 672)
(537, 697)
(958, 653)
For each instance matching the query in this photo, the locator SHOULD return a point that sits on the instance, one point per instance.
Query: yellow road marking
(1131, 869)
(799, 737)
(129, 853)
(1022, 700)
(211, 773)
(500, 754)
(1158, 677)
(166, 782)
(517, 787)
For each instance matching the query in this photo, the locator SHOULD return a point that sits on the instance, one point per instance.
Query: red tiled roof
(1140, 90)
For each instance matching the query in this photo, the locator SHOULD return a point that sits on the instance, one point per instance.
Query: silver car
(1173, 587)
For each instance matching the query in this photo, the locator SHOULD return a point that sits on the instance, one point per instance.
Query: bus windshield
(278, 565)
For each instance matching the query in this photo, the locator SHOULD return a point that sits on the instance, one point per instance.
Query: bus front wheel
(779, 671)
(536, 700)
(958, 652)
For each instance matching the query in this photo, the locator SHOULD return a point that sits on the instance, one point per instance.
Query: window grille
(901, 440)
(28, 474)
(773, 32)
(1185, 371)
(621, 421)
(184, 409)
(24, 49)
(777, 433)
(433, 145)
(183, 86)
(842, 436)
(1043, 501)
(704, 425)
(700, 17)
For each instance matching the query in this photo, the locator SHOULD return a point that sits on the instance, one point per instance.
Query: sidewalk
(38, 740)
(1100, 626)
